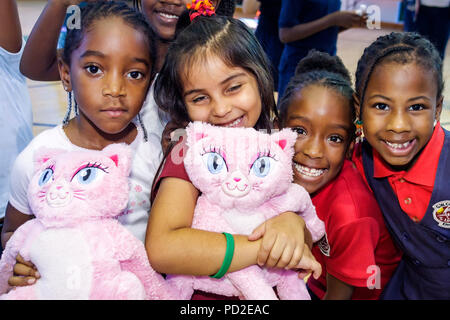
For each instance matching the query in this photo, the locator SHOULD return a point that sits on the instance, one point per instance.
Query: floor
(49, 100)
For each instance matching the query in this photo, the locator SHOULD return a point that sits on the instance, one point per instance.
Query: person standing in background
(267, 30)
(310, 24)
(433, 22)
(16, 118)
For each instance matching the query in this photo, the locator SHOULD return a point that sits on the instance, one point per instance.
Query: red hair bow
(200, 8)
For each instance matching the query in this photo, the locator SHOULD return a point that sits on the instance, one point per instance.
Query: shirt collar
(427, 162)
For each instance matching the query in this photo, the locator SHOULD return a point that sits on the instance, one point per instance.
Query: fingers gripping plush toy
(77, 245)
(245, 178)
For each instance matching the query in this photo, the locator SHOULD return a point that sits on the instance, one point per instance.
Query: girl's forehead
(392, 76)
(113, 35)
(205, 64)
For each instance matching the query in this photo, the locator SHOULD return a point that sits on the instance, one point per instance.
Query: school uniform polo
(424, 271)
(413, 188)
(357, 249)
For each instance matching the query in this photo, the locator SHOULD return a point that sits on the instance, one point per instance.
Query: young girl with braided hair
(216, 72)
(357, 254)
(404, 158)
(107, 65)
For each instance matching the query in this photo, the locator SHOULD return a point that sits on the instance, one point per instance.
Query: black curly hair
(318, 68)
(402, 48)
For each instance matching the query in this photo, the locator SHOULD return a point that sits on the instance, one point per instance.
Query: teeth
(311, 172)
(168, 16)
(234, 123)
(398, 145)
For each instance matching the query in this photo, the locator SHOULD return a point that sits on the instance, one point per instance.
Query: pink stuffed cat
(245, 178)
(77, 245)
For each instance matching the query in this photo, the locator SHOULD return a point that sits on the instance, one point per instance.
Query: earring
(359, 130)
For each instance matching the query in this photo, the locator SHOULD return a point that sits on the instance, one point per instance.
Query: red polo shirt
(357, 240)
(413, 188)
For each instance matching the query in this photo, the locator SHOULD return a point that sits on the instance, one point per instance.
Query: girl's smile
(399, 111)
(219, 94)
(322, 119)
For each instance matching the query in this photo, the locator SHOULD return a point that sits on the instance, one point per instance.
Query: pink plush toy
(79, 248)
(245, 178)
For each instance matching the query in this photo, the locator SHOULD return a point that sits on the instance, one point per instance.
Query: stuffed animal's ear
(285, 139)
(44, 154)
(196, 131)
(121, 155)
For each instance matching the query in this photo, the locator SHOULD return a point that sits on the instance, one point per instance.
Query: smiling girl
(404, 158)
(318, 106)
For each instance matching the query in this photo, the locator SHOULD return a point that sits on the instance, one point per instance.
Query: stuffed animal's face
(238, 167)
(77, 185)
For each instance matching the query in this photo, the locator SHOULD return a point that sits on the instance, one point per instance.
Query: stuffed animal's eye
(45, 177)
(261, 166)
(214, 162)
(87, 175)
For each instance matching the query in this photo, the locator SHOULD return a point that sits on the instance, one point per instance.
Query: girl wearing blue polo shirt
(310, 24)
(405, 158)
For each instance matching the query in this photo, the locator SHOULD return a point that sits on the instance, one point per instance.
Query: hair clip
(200, 8)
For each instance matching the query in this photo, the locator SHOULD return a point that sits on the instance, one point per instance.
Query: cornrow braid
(402, 48)
(321, 69)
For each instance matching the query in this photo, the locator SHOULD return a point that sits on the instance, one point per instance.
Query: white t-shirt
(16, 117)
(146, 159)
(154, 119)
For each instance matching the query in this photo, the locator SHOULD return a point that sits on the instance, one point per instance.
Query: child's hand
(348, 19)
(25, 273)
(308, 264)
(283, 241)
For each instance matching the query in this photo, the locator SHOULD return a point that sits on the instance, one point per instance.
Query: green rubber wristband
(228, 257)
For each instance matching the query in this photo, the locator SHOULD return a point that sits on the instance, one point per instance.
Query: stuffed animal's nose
(237, 179)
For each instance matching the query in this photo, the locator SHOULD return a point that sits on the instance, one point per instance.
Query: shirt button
(401, 180)
(416, 262)
(405, 236)
(415, 219)
(408, 200)
(440, 239)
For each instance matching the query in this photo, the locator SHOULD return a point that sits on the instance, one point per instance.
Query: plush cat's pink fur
(77, 245)
(222, 164)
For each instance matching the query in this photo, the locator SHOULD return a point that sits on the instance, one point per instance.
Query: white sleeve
(20, 177)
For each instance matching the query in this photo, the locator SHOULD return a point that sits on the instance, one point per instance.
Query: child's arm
(25, 273)
(337, 289)
(10, 31)
(39, 59)
(342, 19)
(175, 248)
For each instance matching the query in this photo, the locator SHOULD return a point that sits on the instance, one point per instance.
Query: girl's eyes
(381, 106)
(385, 107)
(336, 139)
(92, 69)
(234, 88)
(300, 131)
(199, 99)
(136, 75)
(417, 107)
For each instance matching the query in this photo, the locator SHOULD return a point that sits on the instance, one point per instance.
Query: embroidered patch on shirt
(324, 246)
(441, 213)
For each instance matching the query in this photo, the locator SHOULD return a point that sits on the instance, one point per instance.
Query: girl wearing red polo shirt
(357, 255)
(405, 158)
